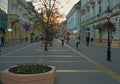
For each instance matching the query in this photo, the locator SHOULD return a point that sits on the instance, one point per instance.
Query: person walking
(77, 41)
(92, 41)
(31, 39)
(0, 43)
(68, 38)
(0, 46)
(62, 40)
(87, 41)
(26, 39)
(2, 40)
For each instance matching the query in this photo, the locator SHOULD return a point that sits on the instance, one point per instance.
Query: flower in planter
(29, 74)
(29, 69)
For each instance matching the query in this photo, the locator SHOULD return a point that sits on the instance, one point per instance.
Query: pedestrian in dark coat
(2, 40)
(62, 40)
(0, 43)
(31, 38)
(87, 41)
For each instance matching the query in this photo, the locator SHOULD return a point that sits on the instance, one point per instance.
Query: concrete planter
(42, 78)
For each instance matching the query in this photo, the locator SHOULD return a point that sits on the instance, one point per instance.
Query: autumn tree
(48, 16)
(107, 26)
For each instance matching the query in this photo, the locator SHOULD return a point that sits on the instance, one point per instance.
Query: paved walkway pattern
(73, 67)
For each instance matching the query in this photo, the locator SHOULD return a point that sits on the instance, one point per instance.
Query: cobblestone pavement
(73, 67)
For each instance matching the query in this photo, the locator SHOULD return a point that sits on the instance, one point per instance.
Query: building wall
(17, 16)
(73, 19)
(3, 17)
(93, 13)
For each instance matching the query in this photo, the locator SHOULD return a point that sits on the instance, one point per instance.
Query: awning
(98, 26)
(13, 18)
(88, 26)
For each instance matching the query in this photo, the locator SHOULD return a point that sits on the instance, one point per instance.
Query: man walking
(62, 40)
(0, 44)
(87, 41)
(2, 40)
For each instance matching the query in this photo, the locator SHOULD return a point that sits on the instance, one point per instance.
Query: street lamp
(108, 16)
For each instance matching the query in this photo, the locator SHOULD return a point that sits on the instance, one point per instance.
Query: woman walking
(92, 41)
(77, 41)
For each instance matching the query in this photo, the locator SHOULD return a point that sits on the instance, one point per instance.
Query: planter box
(41, 78)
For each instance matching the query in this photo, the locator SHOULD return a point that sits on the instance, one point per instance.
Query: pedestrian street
(72, 66)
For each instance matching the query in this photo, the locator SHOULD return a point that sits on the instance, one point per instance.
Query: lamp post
(108, 15)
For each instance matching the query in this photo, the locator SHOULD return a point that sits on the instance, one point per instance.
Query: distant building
(63, 27)
(73, 20)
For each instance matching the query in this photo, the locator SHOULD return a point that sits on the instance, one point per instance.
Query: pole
(94, 34)
(119, 32)
(108, 49)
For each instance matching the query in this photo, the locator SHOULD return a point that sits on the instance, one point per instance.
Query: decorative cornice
(92, 4)
(88, 8)
(98, 20)
(83, 11)
(99, 1)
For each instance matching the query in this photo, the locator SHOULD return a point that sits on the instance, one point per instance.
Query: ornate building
(94, 14)
(73, 20)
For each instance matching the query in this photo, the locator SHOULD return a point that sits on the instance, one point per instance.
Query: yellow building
(17, 15)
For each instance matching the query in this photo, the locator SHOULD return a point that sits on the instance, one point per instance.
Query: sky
(66, 5)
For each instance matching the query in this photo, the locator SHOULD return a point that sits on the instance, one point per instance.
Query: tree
(47, 14)
(47, 17)
(107, 26)
(55, 21)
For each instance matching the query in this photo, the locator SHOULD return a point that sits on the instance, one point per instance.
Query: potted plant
(29, 74)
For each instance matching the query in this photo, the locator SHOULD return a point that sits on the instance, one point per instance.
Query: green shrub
(30, 69)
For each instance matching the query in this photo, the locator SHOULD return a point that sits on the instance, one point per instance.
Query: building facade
(3, 17)
(17, 15)
(73, 20)
(94, 14)
(4, 5)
